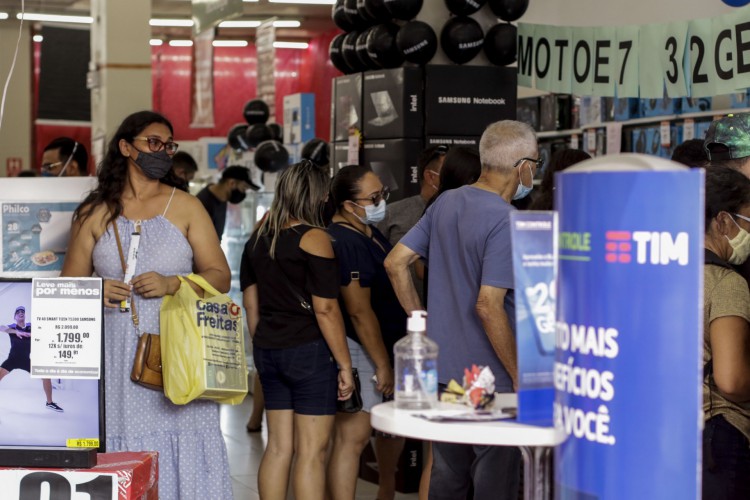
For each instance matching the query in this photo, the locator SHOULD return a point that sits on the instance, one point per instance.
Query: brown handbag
(147, 363)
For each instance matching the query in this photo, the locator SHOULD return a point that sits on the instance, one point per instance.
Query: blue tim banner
(534, 269)
(629, 333)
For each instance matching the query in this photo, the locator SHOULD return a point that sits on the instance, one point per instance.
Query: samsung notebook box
(34, 433)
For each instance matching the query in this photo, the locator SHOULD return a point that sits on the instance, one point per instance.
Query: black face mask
(154, 165)
(237, 196)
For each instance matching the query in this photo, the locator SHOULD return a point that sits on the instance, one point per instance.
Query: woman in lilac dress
(136, 192)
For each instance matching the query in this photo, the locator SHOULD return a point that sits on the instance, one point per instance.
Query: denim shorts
(303, 378)
(366, 370)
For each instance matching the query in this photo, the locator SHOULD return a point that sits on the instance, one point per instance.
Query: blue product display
(695, 104)
(534, 271)
(629, 333)
(299, 118)
(659, 107)
(626, 108)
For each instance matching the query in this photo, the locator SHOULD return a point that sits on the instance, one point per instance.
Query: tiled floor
(245, 451)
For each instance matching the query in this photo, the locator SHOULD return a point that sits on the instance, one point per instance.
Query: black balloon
(236, 137)
(350, 9)
(317, 151)
(404, 9)
(277, 133)
(464, 7)
(364, 14)
(271, 156)
(417, 42)
(361, 47)
(461, 39)
(255, 134)
(255, 111)
(500, 44)
(335, 54)
(509, 10)
(381, 46)
(349, 51)
(377, 10)
(339, 16)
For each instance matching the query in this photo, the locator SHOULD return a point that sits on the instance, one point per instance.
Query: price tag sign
(574, 141)
(688, 129)
(666, 134)
(71, 485)
(591, 140)
(66, 328)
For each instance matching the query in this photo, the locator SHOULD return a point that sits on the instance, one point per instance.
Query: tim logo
(651, 247)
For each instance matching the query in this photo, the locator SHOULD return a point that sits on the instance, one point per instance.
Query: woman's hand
(114, 292)
(152, 284)
(346, 384)
(384, 375)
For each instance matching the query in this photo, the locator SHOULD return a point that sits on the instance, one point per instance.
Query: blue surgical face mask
(523, 191)
(154, 165)
(373, 213)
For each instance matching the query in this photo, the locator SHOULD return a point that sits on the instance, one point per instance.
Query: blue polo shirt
(465, 238)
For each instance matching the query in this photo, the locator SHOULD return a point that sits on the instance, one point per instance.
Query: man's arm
(490, 309)
(397, 266)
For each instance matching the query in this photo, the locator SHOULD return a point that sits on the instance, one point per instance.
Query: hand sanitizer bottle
(416, 366)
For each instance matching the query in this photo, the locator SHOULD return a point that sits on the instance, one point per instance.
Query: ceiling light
(230, 43)
(254, 24)
(249, 0)
(171, 22)
(180, 43)
(286, 24)
(56, 19)
(3, 15)
(155, 42)
(312, 2)
(290, 45)
(37, 38)
(239, 24)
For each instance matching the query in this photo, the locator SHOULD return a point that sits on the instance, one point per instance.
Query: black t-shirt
(216, 208)
(361, 257)
(283, 321)
(20, 347)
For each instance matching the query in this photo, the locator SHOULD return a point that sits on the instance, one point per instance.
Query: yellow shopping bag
(202, 345)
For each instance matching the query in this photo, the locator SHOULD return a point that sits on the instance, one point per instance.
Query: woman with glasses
(289, 282)
(374, 322)
(175, 237)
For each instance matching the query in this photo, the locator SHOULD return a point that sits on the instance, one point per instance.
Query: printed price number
(12, 227)
(82, 443)
(67, 353)
(71, 337)
(60, 487)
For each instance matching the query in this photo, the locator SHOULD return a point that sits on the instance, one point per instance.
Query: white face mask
(523, 191)
(740, 246)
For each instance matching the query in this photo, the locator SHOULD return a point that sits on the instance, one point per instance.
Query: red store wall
(235, 68)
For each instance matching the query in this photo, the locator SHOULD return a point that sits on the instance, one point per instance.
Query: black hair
(461, 166)
(66, 145)
(346, 182)
(559, 161)
(691, 153)
(727, 190)
(113, 170)
(427, 156)
(317, 151)
(27, 173)
(184, 161)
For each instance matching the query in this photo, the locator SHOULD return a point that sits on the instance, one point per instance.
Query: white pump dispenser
(416, 366)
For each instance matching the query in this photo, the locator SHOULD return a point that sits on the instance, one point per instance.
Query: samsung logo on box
(471, 100)
(376, 76)
(375, 146)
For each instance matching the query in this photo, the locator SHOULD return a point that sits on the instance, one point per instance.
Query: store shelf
(552, 134)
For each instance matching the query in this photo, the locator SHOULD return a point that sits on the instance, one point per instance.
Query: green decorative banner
(698, 58)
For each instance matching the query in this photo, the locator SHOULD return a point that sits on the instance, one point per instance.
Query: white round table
(534, 442)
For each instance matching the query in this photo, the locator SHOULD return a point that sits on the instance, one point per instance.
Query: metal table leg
(536, 476)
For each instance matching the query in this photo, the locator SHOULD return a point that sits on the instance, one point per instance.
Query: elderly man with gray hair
(465, 238)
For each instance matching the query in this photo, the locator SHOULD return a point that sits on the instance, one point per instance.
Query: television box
(527, 111)
(740, 99)
(30, 433)
(695, 104)
(647, 140)
(392, 103)
(591, 111)
(701, 128)
(347, 105)
(299, 118)
(555, 112)
(340, 156)
(472, 142)
(463, 100)
(395, 162)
